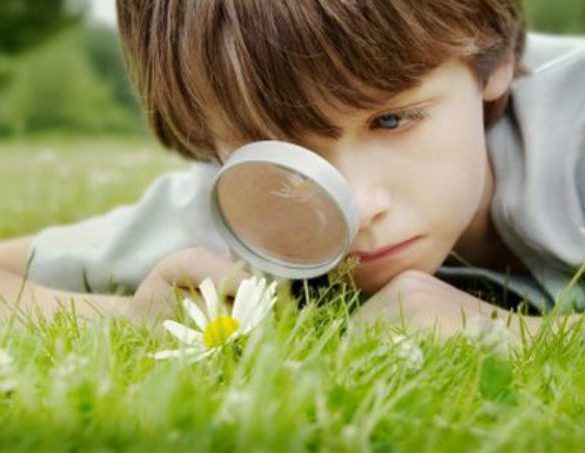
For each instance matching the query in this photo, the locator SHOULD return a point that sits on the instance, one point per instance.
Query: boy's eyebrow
(426, 91)
(411, 97)
(400, 107)
(415, 96)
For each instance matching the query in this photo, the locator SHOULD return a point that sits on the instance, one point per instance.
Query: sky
(104, 11)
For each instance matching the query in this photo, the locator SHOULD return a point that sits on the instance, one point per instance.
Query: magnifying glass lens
(281, 214)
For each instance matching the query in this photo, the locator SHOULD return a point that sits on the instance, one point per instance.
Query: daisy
(254, 299)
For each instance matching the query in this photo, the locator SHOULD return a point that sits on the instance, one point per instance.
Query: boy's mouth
(383, 252)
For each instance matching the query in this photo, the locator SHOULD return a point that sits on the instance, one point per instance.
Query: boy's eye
(390, 121)
(398, 120)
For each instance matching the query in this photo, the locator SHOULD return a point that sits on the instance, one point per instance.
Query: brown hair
(252, 67)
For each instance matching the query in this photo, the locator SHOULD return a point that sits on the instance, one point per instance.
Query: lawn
(305, 380)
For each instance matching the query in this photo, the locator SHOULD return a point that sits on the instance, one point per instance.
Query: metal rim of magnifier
(301, 161)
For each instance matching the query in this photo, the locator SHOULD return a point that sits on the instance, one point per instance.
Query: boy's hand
(423, 301)
(183, 271)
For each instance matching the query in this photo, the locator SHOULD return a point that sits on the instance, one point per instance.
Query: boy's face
(418, 169)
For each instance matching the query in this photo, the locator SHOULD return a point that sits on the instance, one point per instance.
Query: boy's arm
(422, 301)
(153, 301)
(28, 297)
(14, 255)
(25, 297)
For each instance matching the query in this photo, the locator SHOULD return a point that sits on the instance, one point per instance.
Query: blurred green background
(61, 70)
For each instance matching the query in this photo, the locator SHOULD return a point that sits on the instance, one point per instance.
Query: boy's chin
(373, 282)
(370, 284)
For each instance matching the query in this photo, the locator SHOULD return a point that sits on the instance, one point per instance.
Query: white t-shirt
(538, 154)
(537, 151)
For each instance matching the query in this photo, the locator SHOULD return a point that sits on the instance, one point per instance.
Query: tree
(56, 87)
(26, 23)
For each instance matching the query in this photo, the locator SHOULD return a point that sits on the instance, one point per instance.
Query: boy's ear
(499, 81)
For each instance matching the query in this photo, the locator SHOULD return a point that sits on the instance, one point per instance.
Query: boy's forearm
(28, 298)
(425, 302)
(518, 324)
(14, 255)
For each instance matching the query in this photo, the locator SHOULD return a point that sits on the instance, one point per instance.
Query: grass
(51, 181)
(303, 381)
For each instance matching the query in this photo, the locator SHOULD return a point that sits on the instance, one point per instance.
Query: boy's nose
(373, 205)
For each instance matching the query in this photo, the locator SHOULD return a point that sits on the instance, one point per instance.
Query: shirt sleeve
(114, 252)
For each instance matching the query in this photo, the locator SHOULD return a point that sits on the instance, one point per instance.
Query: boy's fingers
(188, 268)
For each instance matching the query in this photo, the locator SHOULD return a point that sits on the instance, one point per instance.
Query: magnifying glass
(284, 210)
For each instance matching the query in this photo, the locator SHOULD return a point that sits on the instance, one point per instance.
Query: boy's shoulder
(552, 93)
(554, 83)
(544, 50)
(536, 150)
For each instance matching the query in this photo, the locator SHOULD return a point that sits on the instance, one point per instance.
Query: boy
(398, 95)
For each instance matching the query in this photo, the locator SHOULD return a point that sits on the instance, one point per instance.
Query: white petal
(211, 300)
(195, 313)
(261, 308)
(261, 285)
(178, 353)
(173, 353)
(259, 315)
(266, 303)
(188, 336)
(204, 354)
(249, 302)
(244, 296)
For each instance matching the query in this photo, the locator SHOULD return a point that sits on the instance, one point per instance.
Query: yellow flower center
(219, 331)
